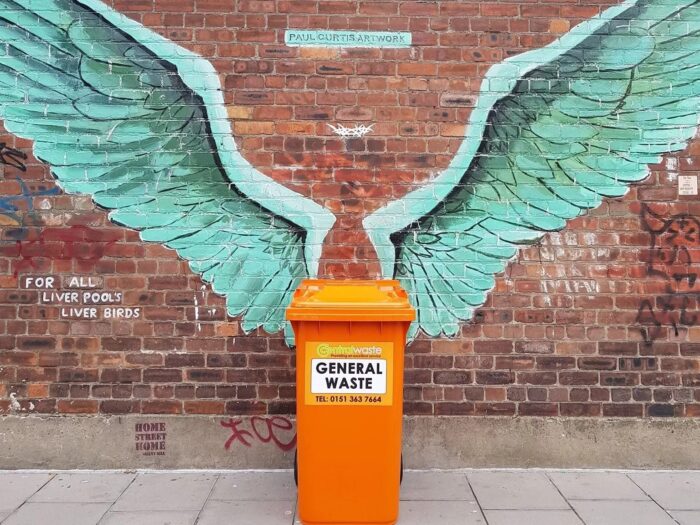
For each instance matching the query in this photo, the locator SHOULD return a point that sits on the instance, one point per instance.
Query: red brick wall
(591, 322)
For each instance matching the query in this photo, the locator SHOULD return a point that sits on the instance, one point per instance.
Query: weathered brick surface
(591, 322)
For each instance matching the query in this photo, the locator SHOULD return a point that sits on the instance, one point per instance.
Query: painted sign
(149, 438)
(325, 38)
(81, 297)
(349, 373)
(687, 185)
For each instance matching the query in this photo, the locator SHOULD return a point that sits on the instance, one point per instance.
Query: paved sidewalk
(465, 497)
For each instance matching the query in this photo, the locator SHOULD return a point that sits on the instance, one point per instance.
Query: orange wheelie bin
(350, 338)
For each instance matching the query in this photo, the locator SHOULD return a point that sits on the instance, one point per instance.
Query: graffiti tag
(14, 208)
(12, 157)
(673, 256)
(275, 429)
(78, 242)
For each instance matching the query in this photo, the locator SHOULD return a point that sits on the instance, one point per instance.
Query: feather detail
(139, 123)
(559, 129)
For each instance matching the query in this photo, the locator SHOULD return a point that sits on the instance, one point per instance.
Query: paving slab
(686, 517)
(84, 487)
(440, 512)
(146, 517)
(164, 491)
(506, 490)
(671, 490)
(597, 485)
(532, 517)
(242, 486)
(16, 488)
(58, 514)
(435, 486)
(621, 513)
(247, 513)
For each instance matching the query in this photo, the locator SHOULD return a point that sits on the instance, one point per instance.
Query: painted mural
(139, 123)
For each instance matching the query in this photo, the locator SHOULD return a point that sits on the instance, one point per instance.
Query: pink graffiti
(263, 429)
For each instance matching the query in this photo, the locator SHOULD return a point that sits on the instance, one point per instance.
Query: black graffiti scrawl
(674, 256)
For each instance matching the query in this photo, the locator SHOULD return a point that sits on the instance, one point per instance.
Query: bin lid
(335, 300)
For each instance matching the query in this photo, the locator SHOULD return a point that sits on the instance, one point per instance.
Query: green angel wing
(554, 132)
(126, 116)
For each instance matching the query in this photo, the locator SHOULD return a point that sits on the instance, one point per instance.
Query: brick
(556, 363)
(580, 409)
(536, 378)
(184, 360)
(247, 376)
(618, 348)
(226, 360)
(254, 128)
(433, 361)
(120, 375)
(457, 100)
(537, 409)
(597, 363)
(497, 9)
(36, 343)
(118, 407)
(622, 410)
(281, 407)
(203, 374)
(453, 409)
(253, 98)
(494, 409)
(204, 407)
(690, 349)
(418, 8)
(418, 376)
(452, 377)
(162, 375)
(578, 378)
(534, 347)
(76, 375)
(121, 344)
(161, 407)
(419, 408)
(77, 406)
(244, 408)
(559, 26)
(664, 379)
(493, 347)
(270, 360)
(494, 378)
(240, 112)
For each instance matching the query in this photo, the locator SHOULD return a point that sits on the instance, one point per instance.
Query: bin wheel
(296, 470)
(401, 475)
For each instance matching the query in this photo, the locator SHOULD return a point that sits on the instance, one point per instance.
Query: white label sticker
(348, 376)
(687, 185)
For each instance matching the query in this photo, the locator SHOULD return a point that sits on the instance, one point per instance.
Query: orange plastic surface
(328, 300)
(349, 455)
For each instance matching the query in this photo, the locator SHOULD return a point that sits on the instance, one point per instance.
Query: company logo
(328, 350)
